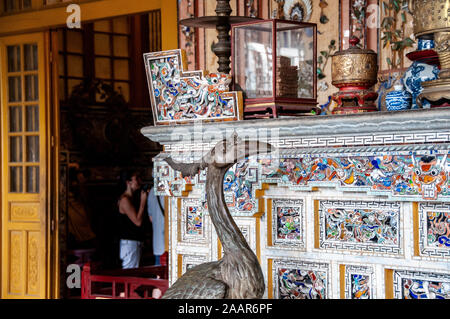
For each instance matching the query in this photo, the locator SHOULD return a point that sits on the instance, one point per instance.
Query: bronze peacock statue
(238, 274)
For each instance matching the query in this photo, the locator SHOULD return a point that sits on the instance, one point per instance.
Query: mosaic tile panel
(180, 96)
(300, 280)
(401, 175)
(421, 285)
(194, 223)
(434, 229)
(359, 282)
(288, 223)
(360, 226)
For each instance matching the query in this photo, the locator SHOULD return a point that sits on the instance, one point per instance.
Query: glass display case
(274, 64)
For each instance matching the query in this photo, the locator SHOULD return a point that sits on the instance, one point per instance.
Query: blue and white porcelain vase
(417, 73)
(398, 99)
(425, 44)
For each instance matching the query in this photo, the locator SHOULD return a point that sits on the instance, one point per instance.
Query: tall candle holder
(222, 22)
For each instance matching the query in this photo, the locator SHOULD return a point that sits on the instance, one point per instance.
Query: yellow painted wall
(56, 17)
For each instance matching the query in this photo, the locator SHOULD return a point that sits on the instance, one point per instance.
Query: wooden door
(25, 213)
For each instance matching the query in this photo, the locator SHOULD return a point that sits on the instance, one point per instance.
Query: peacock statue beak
(225, 153)
(234, 149)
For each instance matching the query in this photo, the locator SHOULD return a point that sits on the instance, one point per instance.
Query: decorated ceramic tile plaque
(194, 224)
(288, 223)
(359, 282)
(180, 96)
(363, 226)
(421, 285)
(300, 279)
(434, 229)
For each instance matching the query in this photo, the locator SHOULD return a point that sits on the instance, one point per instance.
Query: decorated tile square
(288, 223)
(194, 224)
(300, 279)
(421, 285)
(359, 282)
(364, 226)
(434, 229)
(180, 96)
(248, 229)
(189, 261)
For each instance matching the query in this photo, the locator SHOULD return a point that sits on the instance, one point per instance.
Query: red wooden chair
(137, 283)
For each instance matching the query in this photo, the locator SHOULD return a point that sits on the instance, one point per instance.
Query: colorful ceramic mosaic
(288, 223)
(193, 224)
(434, 230)
(398, 175)
(180, 96)
(359, 282)
(362, 226)
(300, 280)
(238, 187)
(421, 285)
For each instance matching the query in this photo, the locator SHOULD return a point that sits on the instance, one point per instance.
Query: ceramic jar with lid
(398, 100)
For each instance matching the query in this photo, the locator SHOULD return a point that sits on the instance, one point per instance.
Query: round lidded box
(354, 67)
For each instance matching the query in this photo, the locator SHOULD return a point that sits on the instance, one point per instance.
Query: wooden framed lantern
(274, 65)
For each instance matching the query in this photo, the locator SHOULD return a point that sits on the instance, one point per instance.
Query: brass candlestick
(222, 23)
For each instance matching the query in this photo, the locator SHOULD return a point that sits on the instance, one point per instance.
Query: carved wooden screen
(24, 167)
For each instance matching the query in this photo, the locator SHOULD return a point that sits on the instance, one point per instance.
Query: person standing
(131, 212)
(155, 207)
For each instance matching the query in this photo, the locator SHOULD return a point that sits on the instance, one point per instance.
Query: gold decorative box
(354, 67)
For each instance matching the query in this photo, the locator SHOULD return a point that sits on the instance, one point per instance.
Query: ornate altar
(354, 206)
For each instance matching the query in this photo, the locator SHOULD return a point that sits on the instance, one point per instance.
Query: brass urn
(354, 72)
(354, 67)
(430, 16)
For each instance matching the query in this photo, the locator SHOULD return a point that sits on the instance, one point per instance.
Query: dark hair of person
(125, 176)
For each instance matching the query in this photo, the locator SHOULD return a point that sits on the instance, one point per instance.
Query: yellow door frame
(35, 26)
(25, 217)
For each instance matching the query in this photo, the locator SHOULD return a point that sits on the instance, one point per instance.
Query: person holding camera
(131, 212)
